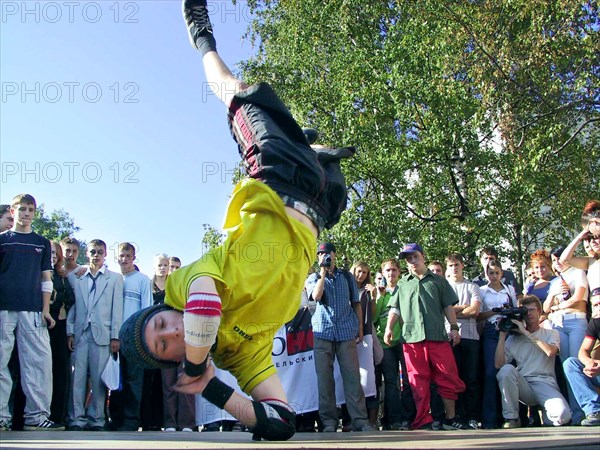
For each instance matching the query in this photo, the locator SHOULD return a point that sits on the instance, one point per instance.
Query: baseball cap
(326, 247)
(410, 248)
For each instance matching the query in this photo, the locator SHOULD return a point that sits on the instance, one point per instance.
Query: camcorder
(506, 324)
(326, 260)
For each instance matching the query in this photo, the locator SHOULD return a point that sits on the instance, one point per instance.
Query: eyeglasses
(96, 252)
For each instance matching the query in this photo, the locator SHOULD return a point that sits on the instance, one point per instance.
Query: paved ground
(570, 438)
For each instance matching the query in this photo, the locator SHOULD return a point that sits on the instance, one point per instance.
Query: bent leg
(583, 386)
(512, 387)
(556, 408)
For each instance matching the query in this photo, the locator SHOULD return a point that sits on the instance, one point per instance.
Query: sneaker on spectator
(4, 426)
(169, 430)
(591, 420)
(329, 429)
(187, 429)
(45, 425)
(365, 428)
(473, 424)
(400, 426)
(454, 424)
(511, 423)
(436, 425)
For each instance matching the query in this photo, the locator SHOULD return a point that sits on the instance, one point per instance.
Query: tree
(476, 122)
(55, 226)
(212, 237)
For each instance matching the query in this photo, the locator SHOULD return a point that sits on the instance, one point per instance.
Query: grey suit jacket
(102, 311)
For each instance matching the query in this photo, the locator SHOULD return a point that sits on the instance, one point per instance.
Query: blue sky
(105, 113)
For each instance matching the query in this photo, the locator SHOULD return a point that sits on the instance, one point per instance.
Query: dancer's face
(164, 335)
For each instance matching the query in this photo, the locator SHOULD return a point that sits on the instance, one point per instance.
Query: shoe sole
(29, 428)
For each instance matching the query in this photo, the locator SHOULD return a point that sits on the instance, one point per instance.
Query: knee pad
(275, 421)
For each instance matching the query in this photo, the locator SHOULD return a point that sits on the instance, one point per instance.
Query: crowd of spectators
(446, 353)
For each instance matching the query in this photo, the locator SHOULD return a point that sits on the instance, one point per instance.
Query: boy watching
(25, 289)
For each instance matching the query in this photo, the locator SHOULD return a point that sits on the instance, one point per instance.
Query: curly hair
(540, 255)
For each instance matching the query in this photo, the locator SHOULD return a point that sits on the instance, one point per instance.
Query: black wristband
(217, 392)
(194, 370)
(454, 327)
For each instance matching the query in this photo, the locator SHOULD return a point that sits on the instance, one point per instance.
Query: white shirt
(491, 299)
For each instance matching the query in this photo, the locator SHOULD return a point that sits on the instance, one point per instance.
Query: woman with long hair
(493, 295)
(61, 300)
(566, 306)
(362, 275)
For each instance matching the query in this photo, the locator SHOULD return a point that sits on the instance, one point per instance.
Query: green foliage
(53, 226)
(212, 237)
(476, 122)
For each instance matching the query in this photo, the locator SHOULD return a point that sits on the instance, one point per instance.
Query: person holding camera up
(532, 381)
(337, 327)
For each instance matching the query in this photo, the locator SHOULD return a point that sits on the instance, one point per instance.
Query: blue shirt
(23, 258)
(334, 318)
(137, 293)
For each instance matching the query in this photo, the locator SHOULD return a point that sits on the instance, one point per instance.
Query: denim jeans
(572, 333)
(583, 386)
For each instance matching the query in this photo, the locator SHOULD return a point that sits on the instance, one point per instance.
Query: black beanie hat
(134, 347)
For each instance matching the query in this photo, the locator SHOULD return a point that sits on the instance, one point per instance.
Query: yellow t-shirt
(259, 273)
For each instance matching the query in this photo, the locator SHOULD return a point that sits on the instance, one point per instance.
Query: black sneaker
(46, 425)
(454, 424)
(196, 18)
(326, 155)
(4, 426)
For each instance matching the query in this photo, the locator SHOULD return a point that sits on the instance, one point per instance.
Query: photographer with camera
(532, 381)
(337, 327)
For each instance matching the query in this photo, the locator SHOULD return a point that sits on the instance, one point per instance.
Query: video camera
(326, 260)
(518, 313)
